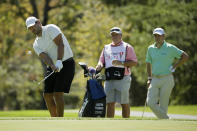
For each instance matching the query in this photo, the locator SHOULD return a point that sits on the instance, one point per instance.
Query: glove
(172, 69)
(59, 65)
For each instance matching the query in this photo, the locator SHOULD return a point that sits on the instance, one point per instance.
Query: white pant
(158, 95)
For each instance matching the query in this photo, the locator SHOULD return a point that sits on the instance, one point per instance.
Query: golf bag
(94, 102)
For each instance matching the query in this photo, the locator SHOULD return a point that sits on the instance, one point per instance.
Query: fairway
(39, 120)
(97, 125)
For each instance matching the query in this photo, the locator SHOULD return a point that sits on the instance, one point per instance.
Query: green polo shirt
(162, 58)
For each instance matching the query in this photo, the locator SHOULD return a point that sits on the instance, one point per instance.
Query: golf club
(85, 68)
(45, 78)
(145, 104)
(144, 109)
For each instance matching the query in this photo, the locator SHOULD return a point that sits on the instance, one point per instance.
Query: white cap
(116, 30)
(30, 21)
(159, 31)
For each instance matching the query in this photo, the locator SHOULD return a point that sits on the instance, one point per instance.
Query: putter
(145, 104)
(45, 78)
(144, 109)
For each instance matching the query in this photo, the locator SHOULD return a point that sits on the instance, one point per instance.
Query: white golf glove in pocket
(172, 69)
(59, 65)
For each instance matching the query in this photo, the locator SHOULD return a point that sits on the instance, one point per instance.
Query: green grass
(187, 110)
(40, 120)
(97, 125)
(33, 113)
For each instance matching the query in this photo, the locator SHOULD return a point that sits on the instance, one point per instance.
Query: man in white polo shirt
(160, 66)
(53, 48)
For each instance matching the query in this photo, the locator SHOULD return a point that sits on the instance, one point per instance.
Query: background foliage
(86, 24)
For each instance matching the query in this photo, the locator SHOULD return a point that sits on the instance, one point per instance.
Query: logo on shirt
(121, 54)
(163, 53)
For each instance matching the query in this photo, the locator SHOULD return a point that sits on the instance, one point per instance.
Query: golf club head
(92, 70)
(84, 67)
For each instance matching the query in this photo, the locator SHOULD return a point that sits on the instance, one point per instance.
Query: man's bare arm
(125, 64)
(183, 59)
(60, 46)
(47, 60)
(149, 72)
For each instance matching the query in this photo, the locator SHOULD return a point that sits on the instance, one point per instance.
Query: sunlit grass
(187, 110)
(84, 124)
(33, 113)
(40, 120)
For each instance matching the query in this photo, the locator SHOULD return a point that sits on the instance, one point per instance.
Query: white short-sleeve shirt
(46, 44)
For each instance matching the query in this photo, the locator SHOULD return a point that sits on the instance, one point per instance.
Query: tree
(17, 76)
(179, 21)
(86, 23)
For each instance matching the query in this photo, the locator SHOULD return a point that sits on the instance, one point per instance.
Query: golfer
(117, 58)
(53, 48)
(160, 67)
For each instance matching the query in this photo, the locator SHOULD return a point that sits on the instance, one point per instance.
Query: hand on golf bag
(59, 65)
(91, 72)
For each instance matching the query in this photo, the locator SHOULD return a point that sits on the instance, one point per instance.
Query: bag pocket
(114, 73)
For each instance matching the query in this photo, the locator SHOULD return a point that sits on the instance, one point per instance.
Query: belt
(161, 76)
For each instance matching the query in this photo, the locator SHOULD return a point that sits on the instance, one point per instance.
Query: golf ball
(29, 52)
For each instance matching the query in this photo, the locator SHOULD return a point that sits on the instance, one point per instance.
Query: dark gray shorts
(60, 81)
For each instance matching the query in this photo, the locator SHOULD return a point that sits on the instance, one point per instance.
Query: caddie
(117, 58)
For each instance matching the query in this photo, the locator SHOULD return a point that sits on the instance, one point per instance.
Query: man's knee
(111, 104)
(59, 96)
(125, 105)
(48, 96)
